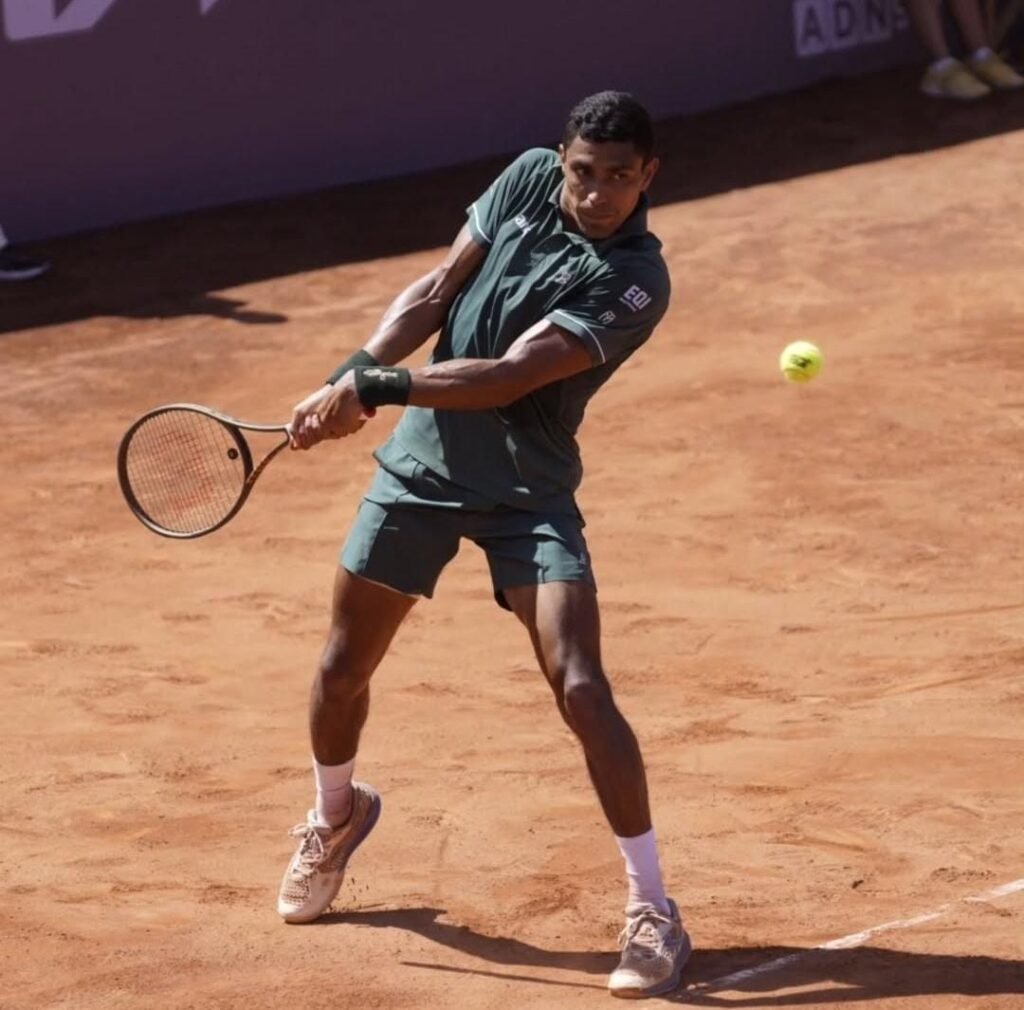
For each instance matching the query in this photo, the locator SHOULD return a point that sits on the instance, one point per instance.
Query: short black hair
(611, 116)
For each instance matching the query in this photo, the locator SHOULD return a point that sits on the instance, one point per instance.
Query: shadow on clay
(808, 977)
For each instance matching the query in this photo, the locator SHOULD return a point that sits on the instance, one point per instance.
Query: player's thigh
(564, 624)
(365, 616)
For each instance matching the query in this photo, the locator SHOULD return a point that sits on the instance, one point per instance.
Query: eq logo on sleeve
(825, 26)
(636, 298)
(38, 19)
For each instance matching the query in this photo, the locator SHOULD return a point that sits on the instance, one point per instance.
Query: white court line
(852, 940)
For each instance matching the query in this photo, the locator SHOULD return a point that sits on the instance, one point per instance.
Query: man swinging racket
(553, 282)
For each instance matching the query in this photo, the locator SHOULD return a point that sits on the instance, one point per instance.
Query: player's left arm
(602, 325)
(545, 353)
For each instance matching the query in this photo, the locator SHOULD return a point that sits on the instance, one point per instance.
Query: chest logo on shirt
(635, 299)
(526, 225)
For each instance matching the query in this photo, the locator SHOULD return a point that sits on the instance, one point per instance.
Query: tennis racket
(185, 470)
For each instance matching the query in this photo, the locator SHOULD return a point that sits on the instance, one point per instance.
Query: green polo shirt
(610, 294)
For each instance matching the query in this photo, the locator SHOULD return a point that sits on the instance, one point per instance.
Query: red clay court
(813, 601)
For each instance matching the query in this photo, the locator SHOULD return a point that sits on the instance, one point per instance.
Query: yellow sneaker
(995, 72)
(952, 79)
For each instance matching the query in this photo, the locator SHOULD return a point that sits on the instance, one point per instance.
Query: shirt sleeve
(615, 315)
(506, 196)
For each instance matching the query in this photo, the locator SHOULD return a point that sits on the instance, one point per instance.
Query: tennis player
(553, 282)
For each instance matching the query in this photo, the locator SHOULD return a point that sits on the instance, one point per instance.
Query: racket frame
(235, 428)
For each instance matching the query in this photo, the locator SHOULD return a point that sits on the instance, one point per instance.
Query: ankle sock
(333, 792)
(643, 872)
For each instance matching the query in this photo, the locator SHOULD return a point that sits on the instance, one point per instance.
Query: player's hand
(330, 412)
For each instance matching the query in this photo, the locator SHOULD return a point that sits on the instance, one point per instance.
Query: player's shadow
(804, 976)
(816, 977)
(204, 305)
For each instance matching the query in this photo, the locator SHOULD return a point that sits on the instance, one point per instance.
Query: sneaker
(655, 949)
(996, 72)
(16, 267)
(315, 874)
(952, 79)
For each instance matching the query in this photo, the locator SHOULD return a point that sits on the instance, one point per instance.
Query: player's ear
(650, 171)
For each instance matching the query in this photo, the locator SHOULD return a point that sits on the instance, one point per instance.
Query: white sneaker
(655, 949)
(316, 871)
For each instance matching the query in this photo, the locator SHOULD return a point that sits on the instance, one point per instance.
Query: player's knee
(587, 702)
(341, 673)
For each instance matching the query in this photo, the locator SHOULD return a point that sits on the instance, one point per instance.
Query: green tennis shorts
(409, 527)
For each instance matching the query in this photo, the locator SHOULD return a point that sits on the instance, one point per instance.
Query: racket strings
(185, 470)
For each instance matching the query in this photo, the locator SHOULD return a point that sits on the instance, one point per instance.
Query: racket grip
(369, 412)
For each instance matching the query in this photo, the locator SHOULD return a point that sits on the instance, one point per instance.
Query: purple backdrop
(117, 110)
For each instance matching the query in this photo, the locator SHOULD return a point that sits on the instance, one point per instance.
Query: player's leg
(540, 567)
(393, 555)
(563, 621)
(364, 619)
(541, 571)
(564, 625)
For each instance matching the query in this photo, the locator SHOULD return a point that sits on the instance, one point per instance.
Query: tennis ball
(800, 361)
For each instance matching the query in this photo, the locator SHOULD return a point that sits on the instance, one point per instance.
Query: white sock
(643, 872)
(982, 54)
(333, 792)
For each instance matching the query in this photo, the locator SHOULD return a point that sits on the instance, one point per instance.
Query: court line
(852, 939)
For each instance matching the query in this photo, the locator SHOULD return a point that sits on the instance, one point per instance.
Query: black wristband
(378, 386)
(360, 359)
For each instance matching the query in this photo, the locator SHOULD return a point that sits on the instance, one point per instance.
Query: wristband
(378, 386)
(360, 359)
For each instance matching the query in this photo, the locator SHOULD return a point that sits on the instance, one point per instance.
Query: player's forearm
(468, 384)
(542, 355)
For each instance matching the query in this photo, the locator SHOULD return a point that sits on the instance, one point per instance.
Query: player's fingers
(309, 432)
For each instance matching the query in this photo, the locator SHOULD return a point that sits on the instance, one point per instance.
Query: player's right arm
(411, 319)
(420, 310)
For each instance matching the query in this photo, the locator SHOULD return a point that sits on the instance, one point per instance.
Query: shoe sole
(26, 274)
(669, 985)
(299, 918)
(939, 93)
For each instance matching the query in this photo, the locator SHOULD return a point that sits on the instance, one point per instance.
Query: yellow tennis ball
(800, 361)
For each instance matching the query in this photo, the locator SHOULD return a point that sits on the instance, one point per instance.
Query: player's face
(603, 182)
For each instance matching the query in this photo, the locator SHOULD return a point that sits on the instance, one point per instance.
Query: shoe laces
(644, 933)
(311, 852)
